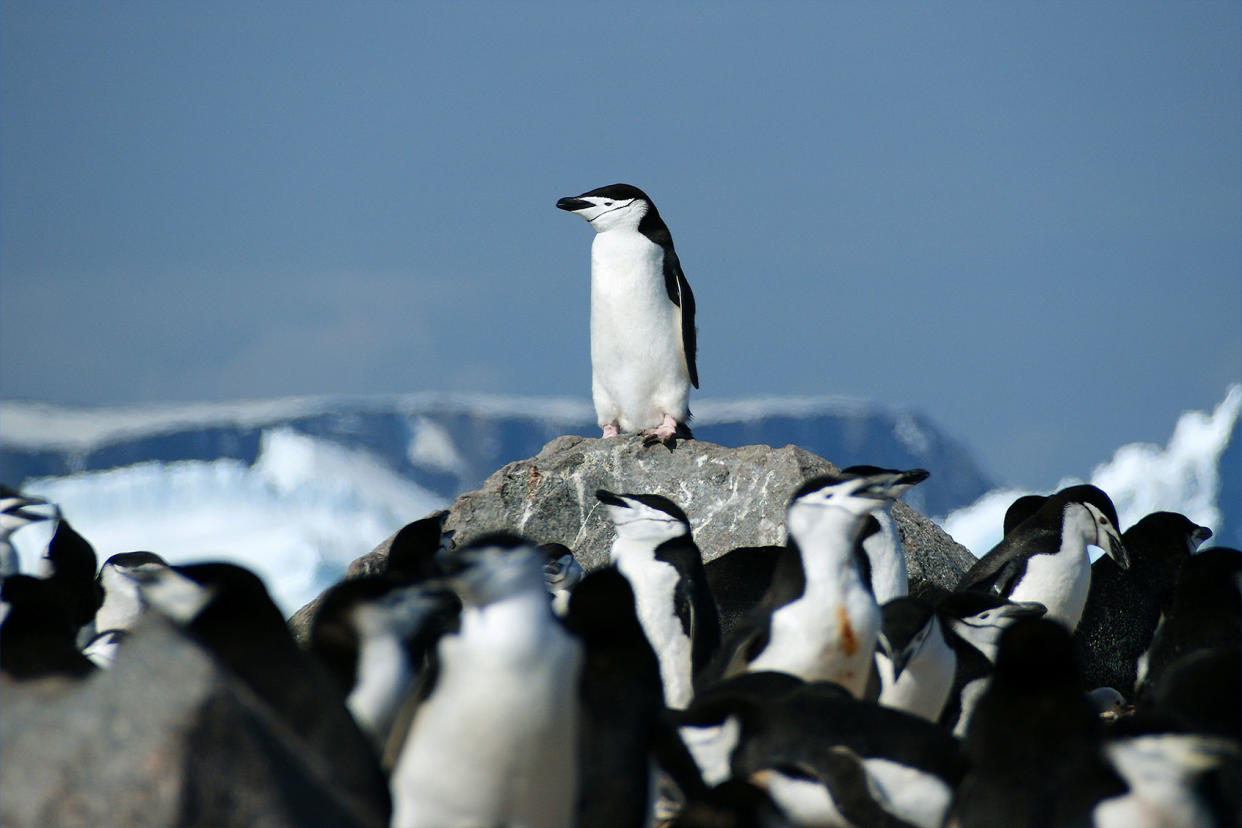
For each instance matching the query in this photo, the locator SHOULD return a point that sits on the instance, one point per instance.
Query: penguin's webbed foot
(611, 430)
(666, 432)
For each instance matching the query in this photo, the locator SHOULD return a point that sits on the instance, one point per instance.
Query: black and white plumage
(973, 623)
(13, 516)
(1173, 776)
(495, 740)
(374, 636)
(819, 620)
(916, 665)
(122, 604)
(1034, 740)
(1123, 606)
(1204, 613)
(1045, 558)
(889, 577)
(827, 758)
(561, 573)
(643, 338)
(69, 564)
(625, 732)
(226, 609)
(656, 553)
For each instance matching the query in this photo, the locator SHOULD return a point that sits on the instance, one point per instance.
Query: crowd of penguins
(490, 682)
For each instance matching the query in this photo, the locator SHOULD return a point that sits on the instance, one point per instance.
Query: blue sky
(1023, 220)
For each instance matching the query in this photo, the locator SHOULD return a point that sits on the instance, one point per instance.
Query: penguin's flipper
(681, 295)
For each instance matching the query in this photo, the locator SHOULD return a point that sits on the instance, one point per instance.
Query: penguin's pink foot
(611, 430)
(666, 432)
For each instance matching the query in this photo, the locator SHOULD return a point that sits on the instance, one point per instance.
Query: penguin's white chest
(1059, 581)
(828, 634)
(654, 583)
(638, 362)
(495, 742)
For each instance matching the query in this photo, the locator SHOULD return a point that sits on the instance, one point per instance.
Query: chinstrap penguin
(1123, 606)
(819, 620)
(374, 637)
(1034, 740)
(626, 735)
(655, 551)
(122, 603)
(13, 516)
(495, 740)
(226, 609)
(643, 337)
(915, 662)
(889, 578)
(1045, 557)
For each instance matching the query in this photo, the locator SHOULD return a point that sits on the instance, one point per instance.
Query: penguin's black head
(412, 553)
(647, 518)
(1021, 509)
(494, 566)
(906, 624)
(13, 514)
(902, 479)
(132, 560)
(1165, 536)
(612, 207)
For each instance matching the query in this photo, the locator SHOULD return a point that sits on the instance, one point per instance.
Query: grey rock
(164, 738)
(733, 497)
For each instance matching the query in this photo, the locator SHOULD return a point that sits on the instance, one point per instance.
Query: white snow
(297, 517)
(432, 446)
(1141, 478)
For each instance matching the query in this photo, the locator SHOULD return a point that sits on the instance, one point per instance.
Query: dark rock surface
(733, 497)
(164, 738)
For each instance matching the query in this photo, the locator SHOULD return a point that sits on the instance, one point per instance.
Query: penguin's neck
(889, 578)
(516, 623)
(383, 675)
(827, 552)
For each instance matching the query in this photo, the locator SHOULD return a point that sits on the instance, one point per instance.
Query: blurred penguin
(495, 740)
(122, 603)
(13, 516)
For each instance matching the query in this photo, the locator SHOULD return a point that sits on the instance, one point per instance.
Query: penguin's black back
(37, 638)
(1123, 606)
(622, 726)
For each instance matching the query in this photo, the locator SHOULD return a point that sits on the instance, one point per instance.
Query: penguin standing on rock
(1044, 558)
(643, 337)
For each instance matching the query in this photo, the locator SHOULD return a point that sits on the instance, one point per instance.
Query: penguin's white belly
(1060, 582)
(495, 743)
(824, 638)
(654, 583)
(638, 362)
(923, 686)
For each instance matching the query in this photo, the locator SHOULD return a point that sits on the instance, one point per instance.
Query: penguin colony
(487, 681)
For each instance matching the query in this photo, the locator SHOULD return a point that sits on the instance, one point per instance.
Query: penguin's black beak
(572, 204)
(1117, 551)
(900, 659)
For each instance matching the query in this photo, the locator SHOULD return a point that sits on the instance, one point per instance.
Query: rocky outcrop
(164, 738)
(733, 497)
